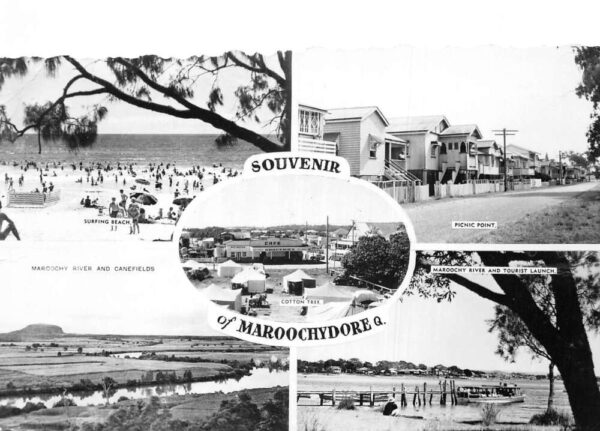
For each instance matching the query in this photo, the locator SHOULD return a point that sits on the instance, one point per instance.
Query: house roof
(462, 129)
(395, 139)
(340, 231)
(516, 154)
(385, 229)
(415, 124)
(486, 143)
(311, 108)
(357, 113)
(519, 149)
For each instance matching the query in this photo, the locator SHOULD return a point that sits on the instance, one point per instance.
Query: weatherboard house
(437, 150)
(358, 135)
(490, 159)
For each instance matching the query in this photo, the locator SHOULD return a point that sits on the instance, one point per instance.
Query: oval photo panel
(296, 248)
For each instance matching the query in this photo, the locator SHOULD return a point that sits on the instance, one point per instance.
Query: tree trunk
(550, 386)
(288, 104)
(39, 136)
(577, 370)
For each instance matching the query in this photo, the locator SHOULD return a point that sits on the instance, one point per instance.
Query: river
(536, 395)
(260, 378)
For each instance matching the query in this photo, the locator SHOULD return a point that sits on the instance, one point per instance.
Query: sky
(447, 333)
(290, 199)
(531, 90)
(37, 87)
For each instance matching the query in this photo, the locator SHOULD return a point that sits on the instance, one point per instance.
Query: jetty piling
(421, 395)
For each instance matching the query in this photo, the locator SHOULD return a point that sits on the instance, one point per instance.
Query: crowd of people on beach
(133, 180)
(46, 187)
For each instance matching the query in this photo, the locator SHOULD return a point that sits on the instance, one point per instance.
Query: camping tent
(222, 296)
(192, 264)
(229, 269)
(329, 292)
(297, 281)
(333, 310)
(251, 280)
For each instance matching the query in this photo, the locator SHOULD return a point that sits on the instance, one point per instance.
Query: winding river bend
(259, 378)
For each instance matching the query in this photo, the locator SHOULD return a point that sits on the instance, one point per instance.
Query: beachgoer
(113, 208)
(11, 228)
(390, 406)
(87, 202)
(123, 203)
(134, 213)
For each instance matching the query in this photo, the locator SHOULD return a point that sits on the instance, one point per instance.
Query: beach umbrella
(144, 198)
(142, 181)
(182, 200)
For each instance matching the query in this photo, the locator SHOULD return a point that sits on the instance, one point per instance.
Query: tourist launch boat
(490, 394)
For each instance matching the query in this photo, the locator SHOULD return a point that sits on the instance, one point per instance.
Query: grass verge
(574, 221)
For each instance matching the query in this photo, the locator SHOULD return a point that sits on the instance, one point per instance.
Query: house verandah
(410, 158)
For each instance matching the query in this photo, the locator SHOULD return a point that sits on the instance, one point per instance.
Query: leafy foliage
(239, 413)
(378, 260)
(513, 334)
(151, 82)
(588, 60)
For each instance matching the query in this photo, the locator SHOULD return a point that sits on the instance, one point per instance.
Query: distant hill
(33, 332)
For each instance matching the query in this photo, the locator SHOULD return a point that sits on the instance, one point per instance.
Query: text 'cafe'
(261, 250)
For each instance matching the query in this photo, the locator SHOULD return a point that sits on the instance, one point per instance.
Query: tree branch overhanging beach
(150, 82)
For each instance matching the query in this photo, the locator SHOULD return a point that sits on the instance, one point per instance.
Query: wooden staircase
(393, 171)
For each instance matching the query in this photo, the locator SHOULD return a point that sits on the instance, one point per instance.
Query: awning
(375, 141)
(331, 136)
(395, 140)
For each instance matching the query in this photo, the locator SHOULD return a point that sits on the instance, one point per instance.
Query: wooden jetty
(421, 395)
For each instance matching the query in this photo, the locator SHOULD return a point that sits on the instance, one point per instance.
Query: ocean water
(183, 150)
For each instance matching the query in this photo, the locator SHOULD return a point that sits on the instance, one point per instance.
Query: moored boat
(490, 394)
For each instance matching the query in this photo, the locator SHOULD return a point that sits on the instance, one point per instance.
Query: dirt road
(432, 220)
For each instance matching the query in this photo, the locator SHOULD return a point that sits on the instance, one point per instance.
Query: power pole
(327, 246)
(504, 133)
(560, 170)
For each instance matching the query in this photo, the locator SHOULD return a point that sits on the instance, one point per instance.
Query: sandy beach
(68, 219)
(332, 419)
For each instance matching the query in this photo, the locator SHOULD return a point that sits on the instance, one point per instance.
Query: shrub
(122, 398)
(312, 424)
(65, 402)
(552, 417)
(489, 414)
(32, 407)
(6, 411)
(346, 404)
